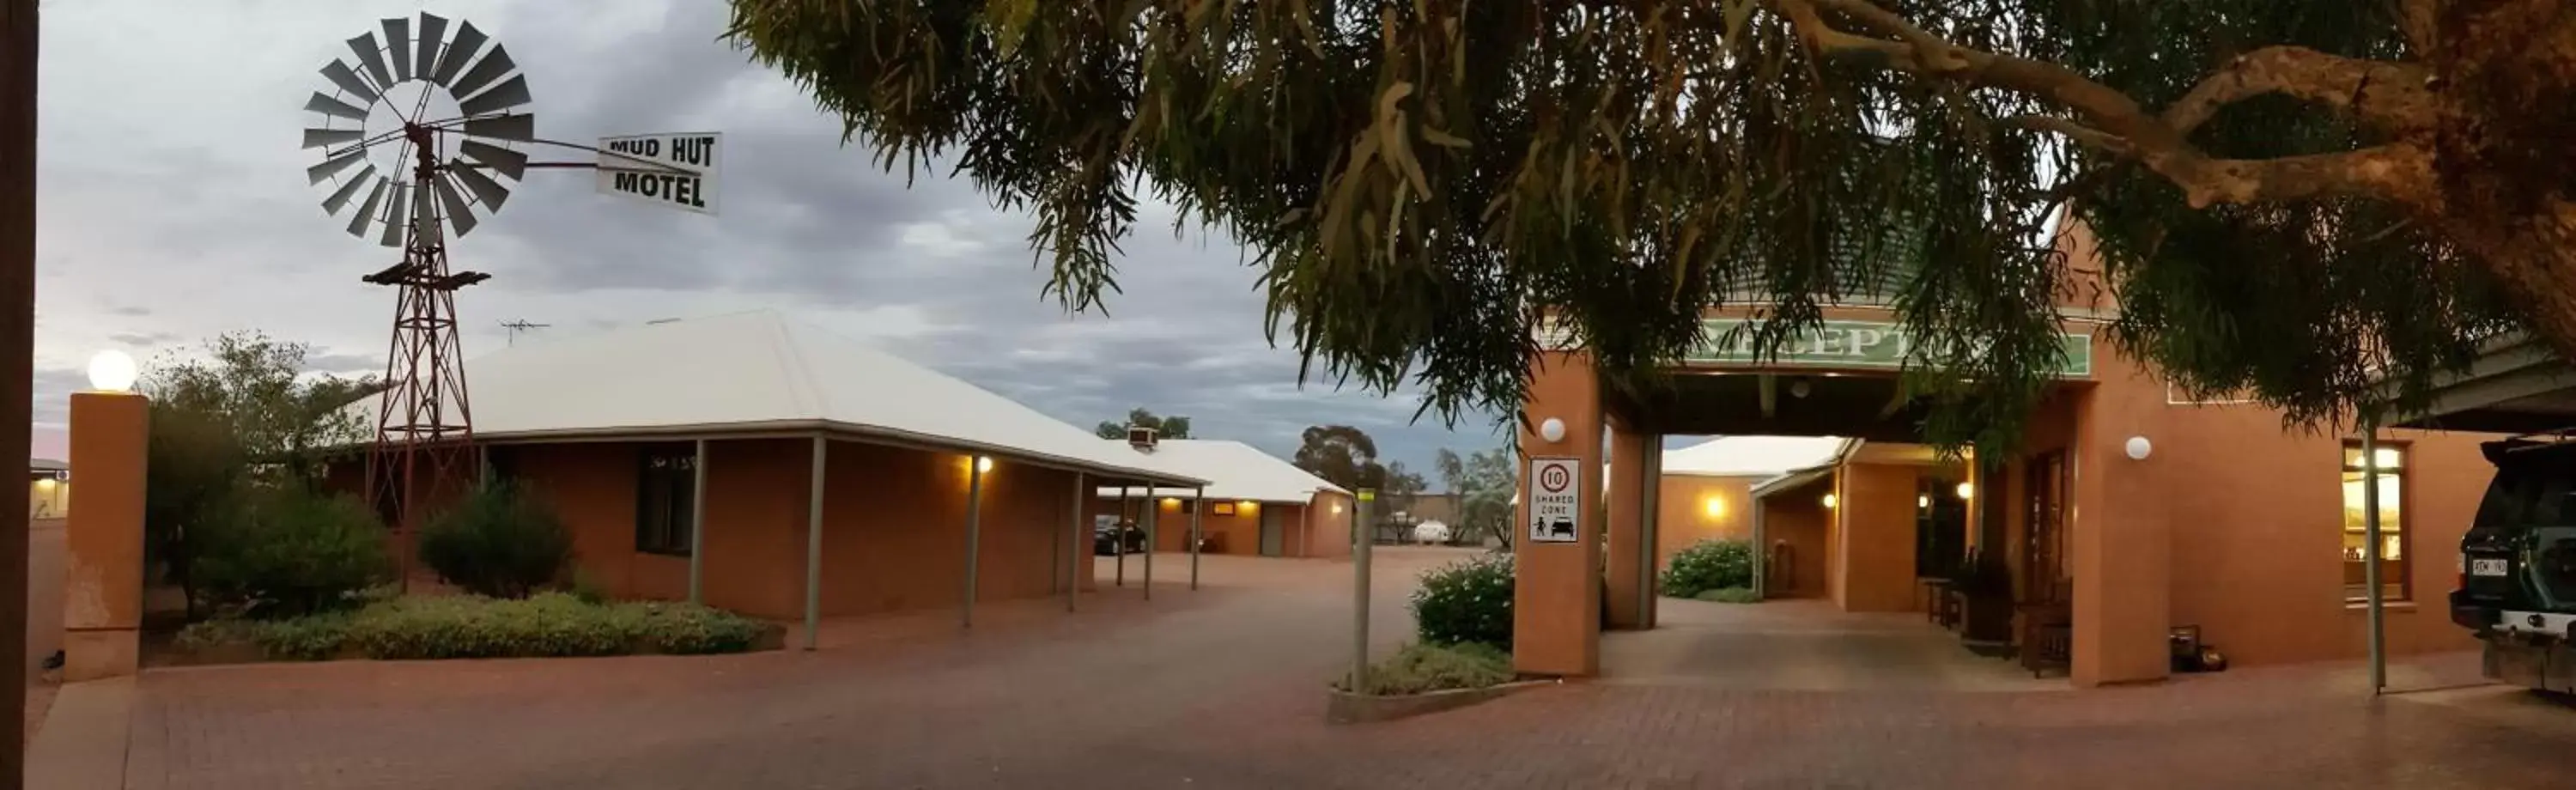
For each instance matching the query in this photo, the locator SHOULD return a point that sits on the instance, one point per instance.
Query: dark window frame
(665, 499)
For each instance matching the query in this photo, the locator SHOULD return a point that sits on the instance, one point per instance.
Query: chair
(2047, 638)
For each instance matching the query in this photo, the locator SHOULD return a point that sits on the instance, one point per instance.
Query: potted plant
(1985, 589)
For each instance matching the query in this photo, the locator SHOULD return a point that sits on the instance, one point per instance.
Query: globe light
(111, 371)
(983, 463)
(1552, 430)
(2138, 448)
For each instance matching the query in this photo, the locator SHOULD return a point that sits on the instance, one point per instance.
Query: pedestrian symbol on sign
(1556, 504)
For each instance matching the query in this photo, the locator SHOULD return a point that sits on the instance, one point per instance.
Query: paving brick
(1223, 689)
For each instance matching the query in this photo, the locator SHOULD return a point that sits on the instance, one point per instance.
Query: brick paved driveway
(1221, 689)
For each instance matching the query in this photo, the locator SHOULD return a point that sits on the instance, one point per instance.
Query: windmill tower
(437, 128)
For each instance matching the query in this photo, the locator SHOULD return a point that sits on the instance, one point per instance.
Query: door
(1270, 532)
(2044, 557)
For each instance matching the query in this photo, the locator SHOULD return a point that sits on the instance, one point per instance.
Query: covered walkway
(1803, 645)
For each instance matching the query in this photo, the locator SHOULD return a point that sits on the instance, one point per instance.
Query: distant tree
(1342, 455)
(1173, 427)
(1484, 483)
(241, 413)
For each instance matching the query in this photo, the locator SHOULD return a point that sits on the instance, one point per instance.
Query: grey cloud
(53, 388)
(145, 339)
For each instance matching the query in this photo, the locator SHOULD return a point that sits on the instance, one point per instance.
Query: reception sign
(1844, 344)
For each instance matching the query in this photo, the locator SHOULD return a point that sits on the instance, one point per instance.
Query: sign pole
(1360, 544)
(2370, 554)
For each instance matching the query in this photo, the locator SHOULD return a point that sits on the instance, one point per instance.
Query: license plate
(2488, 567)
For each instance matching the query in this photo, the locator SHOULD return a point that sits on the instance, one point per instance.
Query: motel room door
(1271, 534)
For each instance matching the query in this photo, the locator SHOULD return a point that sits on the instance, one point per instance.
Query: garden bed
(543, 626)
(1427, 678)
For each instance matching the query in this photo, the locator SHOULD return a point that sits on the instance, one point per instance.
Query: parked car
(1111, 541)
(2518, 567)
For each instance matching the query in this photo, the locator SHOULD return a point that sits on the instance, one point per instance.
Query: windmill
(423, 135)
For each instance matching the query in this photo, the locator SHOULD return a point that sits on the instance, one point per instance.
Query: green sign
(1844, 344)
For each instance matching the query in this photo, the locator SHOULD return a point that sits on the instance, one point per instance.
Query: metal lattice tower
(424, 419)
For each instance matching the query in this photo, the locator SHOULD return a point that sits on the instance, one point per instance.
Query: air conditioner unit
(1140, 437)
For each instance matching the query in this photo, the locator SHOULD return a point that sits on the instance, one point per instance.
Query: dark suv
(2518, 565)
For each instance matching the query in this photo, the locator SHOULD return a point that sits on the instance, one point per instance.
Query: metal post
(698, 525)
(1653, 476)
(1118, 539)
(974, 535)
(1153, 524)
(814, 548)
(1761, 549)
(2370, 554)
(1198, 505)
(18, 325)
(1360, 544)
(1074, 553)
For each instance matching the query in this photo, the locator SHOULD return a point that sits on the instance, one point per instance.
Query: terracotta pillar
(1556, 595)
(2121, 551)
(1627, 495)
(103, 538)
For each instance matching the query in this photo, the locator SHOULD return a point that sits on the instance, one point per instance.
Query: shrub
(1421, 668)
(285, 553)
(1466, 602)
(1729, 595)
(1709, 565)
(543, 625)
(501, 541)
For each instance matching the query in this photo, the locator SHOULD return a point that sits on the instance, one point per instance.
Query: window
(1222, 508)
(2390, 479)
(665, 499)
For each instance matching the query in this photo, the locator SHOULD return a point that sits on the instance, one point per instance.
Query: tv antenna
(438, 130)
(519, 326)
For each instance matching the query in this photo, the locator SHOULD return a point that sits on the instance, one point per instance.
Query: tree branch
(2089, 136)
(2388, 95)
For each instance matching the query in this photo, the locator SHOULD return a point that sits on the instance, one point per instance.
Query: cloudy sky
(174, 207)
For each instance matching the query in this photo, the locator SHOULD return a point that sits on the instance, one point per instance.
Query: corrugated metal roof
(760, 371)
(1234, 470)
(1752, 456)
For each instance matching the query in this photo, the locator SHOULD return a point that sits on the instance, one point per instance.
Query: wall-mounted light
(111, 371)
(1552, 429)
(1830, 500)
(1247, 504)
(983, 463)
(1967, 490)
(1800, 388)
(1337, 508)
(1716, 507)
(2138, 448)
(46, 484)
(1922, 500)
(1172, 501)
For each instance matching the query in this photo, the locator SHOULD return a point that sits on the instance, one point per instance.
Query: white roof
(759, 371)
(1234, 470)
(1751, 456)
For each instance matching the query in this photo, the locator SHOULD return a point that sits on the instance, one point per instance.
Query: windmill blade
(433, 29)
(398, 38)
(521, 127)
(458, 214)
(367, 210)
(339, 198)
(371, 58)
(468, 42)
(395, 216)
(332, 166)
(334, 108)
(486, 191)
(339, 74)
(490, 68)
(501, 160)
(501, 97)
(323, 138)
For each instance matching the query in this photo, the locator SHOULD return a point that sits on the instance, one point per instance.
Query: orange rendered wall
(1682, 516)
(1327, 532)
(894, 526)
(1875, 520)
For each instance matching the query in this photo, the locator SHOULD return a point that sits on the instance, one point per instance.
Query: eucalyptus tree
(2290, 199)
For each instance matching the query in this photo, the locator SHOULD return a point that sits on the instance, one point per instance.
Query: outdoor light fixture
(1922, 500)
(1800, 388)
(1337, 508)
(1967, 490)
(1552, 429)
(1829, 500)
(111, 371)
(983, 463)
(1716, 507)
(2138, 447)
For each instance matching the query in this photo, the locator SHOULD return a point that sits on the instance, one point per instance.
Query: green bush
(501, 541)
(543, 625)
(1709, 565)
(1729, 595)
(286, 553)
(1421, 668)
(1466, 602)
